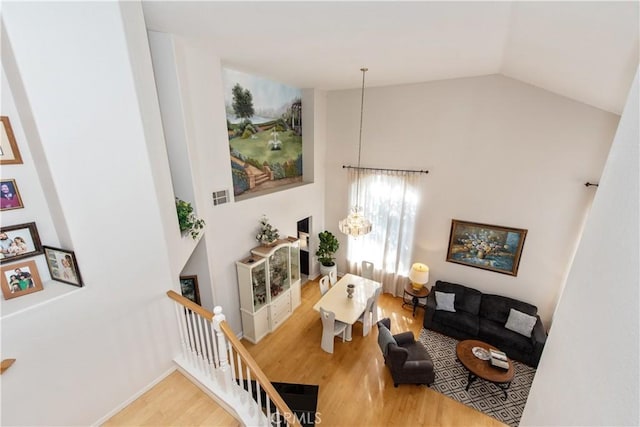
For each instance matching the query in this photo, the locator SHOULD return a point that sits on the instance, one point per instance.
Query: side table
(414, 297)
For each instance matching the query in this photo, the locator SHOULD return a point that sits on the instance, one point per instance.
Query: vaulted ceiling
(587, 51)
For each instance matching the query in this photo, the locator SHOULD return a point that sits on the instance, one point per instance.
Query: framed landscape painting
(490, 247)
(264, 126)
(19, 241)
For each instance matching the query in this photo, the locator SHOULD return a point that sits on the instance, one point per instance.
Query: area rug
(451, 380)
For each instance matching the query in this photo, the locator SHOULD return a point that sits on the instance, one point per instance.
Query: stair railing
(213, 355)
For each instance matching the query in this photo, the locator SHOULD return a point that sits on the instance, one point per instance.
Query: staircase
(213, 357)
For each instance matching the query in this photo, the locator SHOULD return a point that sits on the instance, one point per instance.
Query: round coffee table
(479, 368)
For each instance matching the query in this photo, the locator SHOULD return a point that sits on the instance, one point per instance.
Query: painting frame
(189, 288)
(8, 289)
(11, 232)
(11, 184)
(8, 144)
(56, 258)
(489, 247)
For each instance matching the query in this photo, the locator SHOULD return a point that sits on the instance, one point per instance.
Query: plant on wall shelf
(267, 233)
(327, 248)
(187, 219)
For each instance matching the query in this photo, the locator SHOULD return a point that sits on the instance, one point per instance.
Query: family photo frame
(489, 247)
(9, 195)
(9, 153)
(19, 241)
(20, 279)
(63, 266)
(189, 288)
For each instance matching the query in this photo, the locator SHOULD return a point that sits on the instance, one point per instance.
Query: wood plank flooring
(356, 388)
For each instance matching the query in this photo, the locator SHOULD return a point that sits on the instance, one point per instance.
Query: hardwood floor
(356, 388)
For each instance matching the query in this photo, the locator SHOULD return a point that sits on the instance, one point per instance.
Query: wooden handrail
(190, 305)
(259, 375)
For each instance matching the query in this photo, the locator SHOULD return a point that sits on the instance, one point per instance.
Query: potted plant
(327, 248)
(187, 219)
(267, 235)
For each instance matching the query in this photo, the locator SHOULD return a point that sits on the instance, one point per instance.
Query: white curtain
(389, 199)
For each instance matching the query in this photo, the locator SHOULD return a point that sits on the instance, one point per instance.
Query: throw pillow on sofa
(445, 301)
(520, 323)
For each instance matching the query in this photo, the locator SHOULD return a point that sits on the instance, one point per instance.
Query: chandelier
(356, 224)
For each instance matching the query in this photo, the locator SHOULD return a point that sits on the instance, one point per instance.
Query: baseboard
(133, 398)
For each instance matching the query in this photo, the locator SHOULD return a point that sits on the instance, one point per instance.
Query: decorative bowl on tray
(481, 353)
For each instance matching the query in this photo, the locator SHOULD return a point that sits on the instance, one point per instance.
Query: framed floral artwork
(490, 247)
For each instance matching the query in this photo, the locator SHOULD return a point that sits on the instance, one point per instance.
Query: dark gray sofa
(483, 317)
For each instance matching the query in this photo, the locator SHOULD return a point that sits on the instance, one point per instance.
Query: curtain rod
(385, 169)
(589, 184)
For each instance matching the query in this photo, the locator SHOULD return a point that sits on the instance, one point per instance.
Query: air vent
(220, 197)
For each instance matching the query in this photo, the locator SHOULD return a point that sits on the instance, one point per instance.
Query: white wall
(192, 104)
(80, 356)
(498, 152)
(588, 374)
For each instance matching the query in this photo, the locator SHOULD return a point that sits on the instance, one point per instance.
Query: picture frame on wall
(20, 279)
(19, 241)
(63, 266)
(9, 152)
(189, 288)
(9, 195)
(489, 247)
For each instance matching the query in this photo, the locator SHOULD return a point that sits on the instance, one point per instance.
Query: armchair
(407, 359)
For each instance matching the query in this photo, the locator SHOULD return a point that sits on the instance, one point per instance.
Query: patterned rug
(451, 380)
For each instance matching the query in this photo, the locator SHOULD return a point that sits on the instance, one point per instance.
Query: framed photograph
(20, 279)
(9, 195)
(9, 153)
(490, 247)
(63, 266)
(19, 241)
(189, 288)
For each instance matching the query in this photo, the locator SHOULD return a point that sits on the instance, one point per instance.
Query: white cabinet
(269, 284)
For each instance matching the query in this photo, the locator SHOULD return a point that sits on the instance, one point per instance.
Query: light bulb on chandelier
(356, 224)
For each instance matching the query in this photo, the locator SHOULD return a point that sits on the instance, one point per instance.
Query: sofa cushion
(384, 338)
(467, 299)
(497, 308)
(459, 320)
(504, 339)
(445, 301)
(520, 323)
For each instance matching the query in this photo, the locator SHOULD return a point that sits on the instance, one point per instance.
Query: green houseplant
(267, 234)
(327, 248)
(187, 218)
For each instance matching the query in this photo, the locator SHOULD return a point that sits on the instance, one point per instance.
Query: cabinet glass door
(259, 286)
(279, 271)
(295, 261)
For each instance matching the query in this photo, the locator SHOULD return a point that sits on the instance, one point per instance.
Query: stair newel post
(218, 318)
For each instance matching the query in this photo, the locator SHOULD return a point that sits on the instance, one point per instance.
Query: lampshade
(419, 275)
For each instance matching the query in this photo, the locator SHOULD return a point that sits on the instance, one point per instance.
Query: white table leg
(349, 332)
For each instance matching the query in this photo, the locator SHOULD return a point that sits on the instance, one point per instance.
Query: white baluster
(201, 364)
(207, 334)
(181, 328)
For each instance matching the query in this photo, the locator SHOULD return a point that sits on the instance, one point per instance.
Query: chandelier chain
(364, 70)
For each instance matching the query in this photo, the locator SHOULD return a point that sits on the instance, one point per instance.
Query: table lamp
(419, 275)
